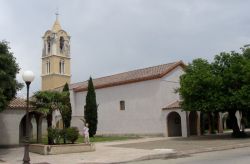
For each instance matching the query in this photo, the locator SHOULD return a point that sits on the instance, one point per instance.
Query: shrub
(72, 134)
(54, 135)
(63, 135)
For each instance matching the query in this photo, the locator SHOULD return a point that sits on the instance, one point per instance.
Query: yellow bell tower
(55, 57)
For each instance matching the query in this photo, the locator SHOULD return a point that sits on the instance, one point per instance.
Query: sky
(113, 36)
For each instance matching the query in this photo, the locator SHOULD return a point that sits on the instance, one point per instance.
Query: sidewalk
(132, 150)
(105, 153)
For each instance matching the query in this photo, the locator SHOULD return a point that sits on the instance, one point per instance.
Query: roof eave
(179, 63)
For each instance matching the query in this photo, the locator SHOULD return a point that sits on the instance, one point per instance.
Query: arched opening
(193, 122)
(35, 127)
(48, 44)
(61, 43)
(48, 67)
(22, 129)
(174, 124)
(61, 67)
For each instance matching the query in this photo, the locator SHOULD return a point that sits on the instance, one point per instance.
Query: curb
(176, 154)
(143, 158)
(211, 149)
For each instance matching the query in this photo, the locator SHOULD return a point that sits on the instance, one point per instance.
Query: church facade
(135, 102)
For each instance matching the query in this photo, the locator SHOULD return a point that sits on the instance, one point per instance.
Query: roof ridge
(132, 71)
(137, 75)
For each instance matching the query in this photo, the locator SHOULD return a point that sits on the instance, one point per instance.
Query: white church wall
(167, 94)
(169, 84)
(141, 114)
(9, 123)
(143, 104)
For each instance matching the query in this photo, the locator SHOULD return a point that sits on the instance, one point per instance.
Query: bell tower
(55, 57)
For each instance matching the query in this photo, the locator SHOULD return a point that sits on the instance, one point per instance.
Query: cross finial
(57, 14)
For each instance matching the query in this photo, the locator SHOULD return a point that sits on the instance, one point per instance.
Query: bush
(63, 135)
(54, 135)
(72, 134)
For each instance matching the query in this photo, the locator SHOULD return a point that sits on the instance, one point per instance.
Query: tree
(47, 102)
(223, 85)
(8, 70)
(90, 109)
(66, 114)
(198, 87)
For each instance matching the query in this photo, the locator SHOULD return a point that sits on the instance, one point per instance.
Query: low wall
(61, 149)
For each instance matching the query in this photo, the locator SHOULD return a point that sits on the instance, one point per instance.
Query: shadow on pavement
(188, 144)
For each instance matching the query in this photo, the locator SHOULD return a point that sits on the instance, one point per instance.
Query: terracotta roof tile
(18, 103)
(175, 104)
(129, 77)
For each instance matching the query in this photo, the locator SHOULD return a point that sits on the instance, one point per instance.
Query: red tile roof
(173, 105)
(18, 103)
(129, 77)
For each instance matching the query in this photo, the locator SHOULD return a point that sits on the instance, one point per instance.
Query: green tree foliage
(223, 85)
(90, 109)
(47, 102)
(66, 113)
(8, 70)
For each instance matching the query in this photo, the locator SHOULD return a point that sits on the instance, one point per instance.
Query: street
(233, 156)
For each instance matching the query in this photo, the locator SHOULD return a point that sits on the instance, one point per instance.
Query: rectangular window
(48, 67)
(122, 105)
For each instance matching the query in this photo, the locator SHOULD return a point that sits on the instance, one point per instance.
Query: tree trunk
(235, 126)
(64, 136)
(49, 124)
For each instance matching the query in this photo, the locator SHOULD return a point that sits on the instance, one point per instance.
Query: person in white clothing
(86, 133)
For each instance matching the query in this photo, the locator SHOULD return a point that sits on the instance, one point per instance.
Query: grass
(107, 138)
(93, 139)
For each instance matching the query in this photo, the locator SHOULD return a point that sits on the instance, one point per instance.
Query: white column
(220, 122)
(184, 123)
(198, 125)
(238, 116)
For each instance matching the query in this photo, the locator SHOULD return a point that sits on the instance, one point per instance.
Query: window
(61, 43)
(122, 105)
(48, 67)
(61, 67)
(48, 44)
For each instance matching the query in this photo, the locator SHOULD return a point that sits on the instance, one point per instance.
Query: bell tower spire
(55, 57)
(57, 14)
(56, 27)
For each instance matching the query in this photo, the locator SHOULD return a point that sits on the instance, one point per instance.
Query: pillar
(198, 127)
(187, 123)
(220, 123)
(39, 119)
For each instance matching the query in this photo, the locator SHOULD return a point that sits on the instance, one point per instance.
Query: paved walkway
(105, 153)
(131, 150)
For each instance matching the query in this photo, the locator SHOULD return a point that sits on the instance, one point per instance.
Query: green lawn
(107, 138)
(94, 139)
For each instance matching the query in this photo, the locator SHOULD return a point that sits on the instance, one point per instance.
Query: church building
(138, 102)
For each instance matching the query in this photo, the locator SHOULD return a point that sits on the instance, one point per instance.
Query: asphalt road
(233, 156)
